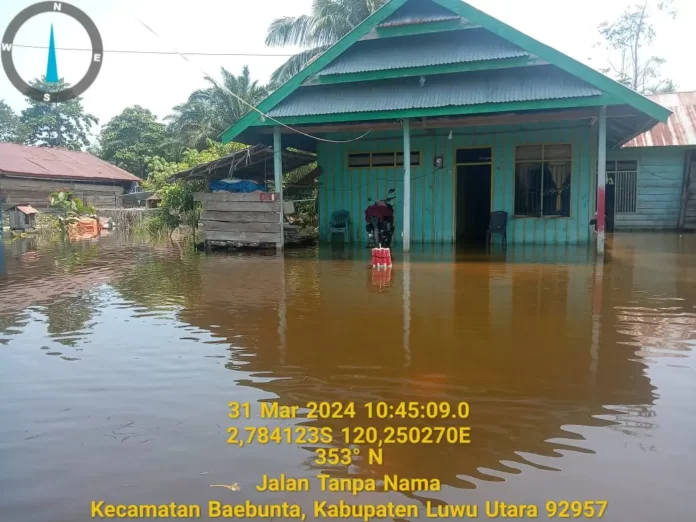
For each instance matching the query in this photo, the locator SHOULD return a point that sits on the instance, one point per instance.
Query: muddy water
(118, 361)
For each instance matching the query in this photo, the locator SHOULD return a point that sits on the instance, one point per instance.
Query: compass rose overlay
(95, 60)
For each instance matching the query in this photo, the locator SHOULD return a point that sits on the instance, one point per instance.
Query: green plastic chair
(340, 222)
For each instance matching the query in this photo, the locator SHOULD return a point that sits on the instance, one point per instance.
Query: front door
(473, 169)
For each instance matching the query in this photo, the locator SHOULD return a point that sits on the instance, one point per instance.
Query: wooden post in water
(601, 178)
(407, 186)
(278, 179)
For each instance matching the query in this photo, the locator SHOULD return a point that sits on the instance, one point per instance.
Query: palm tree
(208, 112)
(330, 21)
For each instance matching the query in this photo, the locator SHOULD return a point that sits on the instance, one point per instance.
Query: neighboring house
(495, 121)
(654, 174)
(28, 175)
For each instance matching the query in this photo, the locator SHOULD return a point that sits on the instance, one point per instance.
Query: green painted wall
(660, 185)
(432, 190)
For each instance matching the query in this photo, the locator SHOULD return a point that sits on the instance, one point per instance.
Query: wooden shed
(251, 218)
(22, 217)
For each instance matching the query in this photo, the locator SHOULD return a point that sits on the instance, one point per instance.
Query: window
(358, 160)
(415, 159)
(542, 180)
(381, 159)
(480, 155)
(624, 176)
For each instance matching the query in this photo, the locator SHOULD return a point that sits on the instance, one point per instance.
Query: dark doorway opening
(473, 195)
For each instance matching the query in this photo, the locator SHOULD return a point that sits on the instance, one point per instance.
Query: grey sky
(238, 26)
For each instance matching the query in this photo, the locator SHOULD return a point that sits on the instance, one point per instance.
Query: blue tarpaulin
(238, 186)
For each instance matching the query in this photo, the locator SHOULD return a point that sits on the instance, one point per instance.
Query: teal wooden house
(463, 115)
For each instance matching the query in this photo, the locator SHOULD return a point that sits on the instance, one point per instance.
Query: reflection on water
(118, 359)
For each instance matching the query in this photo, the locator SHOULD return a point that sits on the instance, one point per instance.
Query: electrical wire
(252, 107)
(171, 53)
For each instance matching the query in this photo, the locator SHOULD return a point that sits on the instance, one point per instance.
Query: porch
(543, 176)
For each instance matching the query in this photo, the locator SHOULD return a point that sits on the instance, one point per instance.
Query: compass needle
(52, 66)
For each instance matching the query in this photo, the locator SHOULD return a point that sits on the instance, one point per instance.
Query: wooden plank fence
(239, 217)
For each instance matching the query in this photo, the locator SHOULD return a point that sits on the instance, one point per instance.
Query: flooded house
(28, 175)
(462, 115)
(651, 180)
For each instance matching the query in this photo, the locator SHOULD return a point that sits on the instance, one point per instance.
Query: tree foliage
(11, 129)
(70, 204)
(629, 38)
(64, 124)
(177, 206)
(132, 138)
(209, 112)
(330, 21)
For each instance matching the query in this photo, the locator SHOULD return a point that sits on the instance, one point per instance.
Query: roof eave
(65, 178)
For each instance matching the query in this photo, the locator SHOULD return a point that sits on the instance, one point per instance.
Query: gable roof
(678, 130)
(293, 83)
(412, 13)
(43, 162)
(618, 93)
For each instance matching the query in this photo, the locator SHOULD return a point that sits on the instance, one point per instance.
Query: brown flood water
(118, 361)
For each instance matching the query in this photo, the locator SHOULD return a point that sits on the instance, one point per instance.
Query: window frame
(543, 146)
(394, 153)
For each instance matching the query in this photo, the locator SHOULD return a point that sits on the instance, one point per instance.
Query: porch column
(407, 186)
(601, 178)
(278, 178)
(407, 311)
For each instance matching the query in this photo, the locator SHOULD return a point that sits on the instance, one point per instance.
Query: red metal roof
(680, 129)
(41, 162)
(27, 209)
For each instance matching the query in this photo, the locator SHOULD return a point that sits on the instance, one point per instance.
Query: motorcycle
(379, 219)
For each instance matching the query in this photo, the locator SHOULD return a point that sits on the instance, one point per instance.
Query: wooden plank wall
(239, 218)
(660, 185)
(36, 192)
(690, 212)
(433, 201)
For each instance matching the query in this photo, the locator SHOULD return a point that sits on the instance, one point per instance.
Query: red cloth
(379, 210)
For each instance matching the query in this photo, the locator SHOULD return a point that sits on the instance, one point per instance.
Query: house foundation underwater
(461, 114)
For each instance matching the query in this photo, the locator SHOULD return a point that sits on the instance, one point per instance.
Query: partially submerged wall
(250, 218)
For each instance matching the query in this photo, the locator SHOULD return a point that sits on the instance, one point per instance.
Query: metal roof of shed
(253, 163)
(469, 45)
(43, 162)
(680, 128)
(27, 209)
(500, 86)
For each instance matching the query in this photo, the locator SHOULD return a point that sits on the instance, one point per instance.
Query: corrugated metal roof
(41, 162)
(27, 209)
(471, 45)
(680, 129)
(498, 86)
(418, 13)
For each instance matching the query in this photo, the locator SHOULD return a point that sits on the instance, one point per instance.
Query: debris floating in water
(231, 487)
